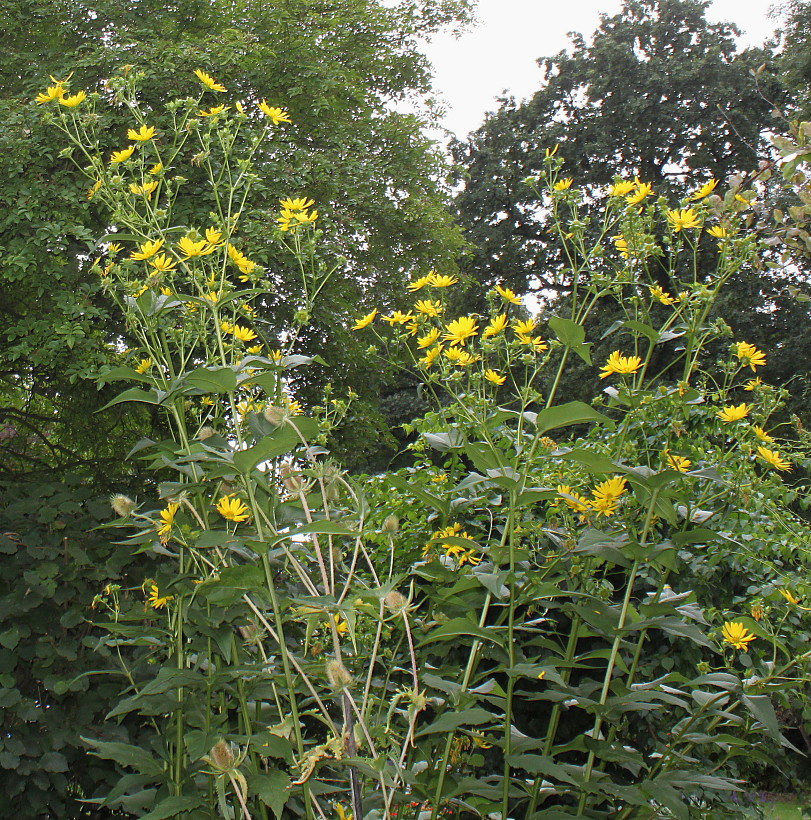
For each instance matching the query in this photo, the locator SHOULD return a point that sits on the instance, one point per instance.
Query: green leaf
(572, 335)
(173, 806)
(462, 626)
(272, 788)
(474, 716)
(136, 394)
(212, 379)
(434, 502)
(278, 443)
(761, 708)
(564, 415)
(126, 754)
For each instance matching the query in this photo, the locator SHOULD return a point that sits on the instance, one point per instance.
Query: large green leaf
(572, 335)
(474, 716)
(212, 379)
(564, 415)
(127, 755)
(278, 443)
(272, 788)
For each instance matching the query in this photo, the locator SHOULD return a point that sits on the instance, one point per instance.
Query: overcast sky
(499, 54)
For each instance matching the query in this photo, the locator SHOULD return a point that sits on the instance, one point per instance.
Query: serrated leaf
(272, 788)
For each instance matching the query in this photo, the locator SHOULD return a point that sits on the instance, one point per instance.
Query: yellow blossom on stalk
(122, 155)
(276, 115)
(508, 295)
(143, 134)
(255, 350)
(787, 594)
(155, 599)
(573, 500)
(365, 321)
(398, 318)
(736, 634)
(420, 283)
(156, 168)
(562, 184)
(460, 330)
(91, 192)
(188, 247)
(288, 219)
(621, 244)
(429, 308)
(643, 190)
(678, 463)
(718, 231)
(300, 203)
(681, 219)
(53, 92)
(244, 334)
(662, 295)
(208, 81)
(72, 102)
(167, 517)
(240, 260)
(773, 458)
(441, 281)
(623, 365)
(752, 384)
(460, 357)
(428, 339)
(212, 296)
(733, 412)
(524, 328)
(757, 612)
(213, 237)
(496, 326)
(762, 434)
(535, 342)
(622, 188)
(213, 111)
(749, 355)
(550, 152)
(143, 366)
(494, 377)
(605, 495)
(431, 356)
(147, 189)
(705, 190)
(166, 291)
(163, 263)
(232, 509)
(743, 200)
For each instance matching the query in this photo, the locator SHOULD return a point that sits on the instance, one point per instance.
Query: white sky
(499, 54)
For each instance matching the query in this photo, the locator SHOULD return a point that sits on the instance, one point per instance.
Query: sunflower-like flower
(762, 434)
(163, 263)
(275, 115)
(562, 184)
(208, 81)
(737, 635)
(460, 330)
(53, 92)
(572, 499)
(774, 459)
(213, 111)
(622, 187)
(679, 220)
(494, 377)
(365, 321)
(147, 249)
(147, 189)
(622, 365)
(232, 509)
(188, 247)
(74, 100)
(420, 283)
(429, 307)
(496, 326)
(733, 412)
(167, 517)
(143, 366)
(704, 191)
(441, 281)
(398, 318)
(122, 155)
(428, 339)
(749, 355)
(643, 190)
(605, 495)
(718, 231)
(431, 356)
(143, 134)
(155, 599)
(508, 295)
(662, 295)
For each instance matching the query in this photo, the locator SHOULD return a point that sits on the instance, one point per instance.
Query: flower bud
(338, 675)
(291, 480)
(122, 505)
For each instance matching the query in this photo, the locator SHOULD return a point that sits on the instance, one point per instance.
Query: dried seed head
(205, 432)
(275, 415)
(221, 756)
(391, 523)
(122, 505)
(291, 480)
(338, 675)
(395, 602)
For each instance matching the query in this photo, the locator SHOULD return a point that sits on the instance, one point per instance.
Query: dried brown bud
(275, 415)
(391, 523)
(122, 505)
(205, 432)
(221, 756)
(338, 675)
(395, 602)
(290, 479)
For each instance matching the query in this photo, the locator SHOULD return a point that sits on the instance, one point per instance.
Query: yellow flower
(762, 434)
(757, 612)
(244, 334)
(188, 247)
(143, 134)
(72, 102)
(208, 81)
(232, 509)
(604, 496)
(733, 412)
(53, 92)
(417, 284)
(213, 111)
(155, 600)
(429, 308)
(678, 463)
(622, 188)
(300, 203)
(122, 155)
(460, 330)
(441, 281)
(662, 295)
(147, 189)
(167, 517)
(536, 342)
(643, 190)
(681, 219)
(550, 152)
(156, 168)
(773, 458)
(459, 357)
(621, 244)
(244, 264)
(752, 384)
(255, 350)
(705, 190)
(562, 184)
(718, 231)
(495, 327)
(524, 328)
(749, 355)
(113, 248)
(213, 236)
(365, 321)
(428, 339)
(143, 366)
(571, 499)
(786, 593)
(737, 635)
(495, 377)
(163, 263)
(623, 365)
(508, 295)
(431, 356)
(288, 219)
(398, 318)
(91, 192)
(276, 115)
